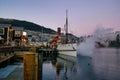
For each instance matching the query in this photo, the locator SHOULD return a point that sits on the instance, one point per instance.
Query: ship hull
(67, 49)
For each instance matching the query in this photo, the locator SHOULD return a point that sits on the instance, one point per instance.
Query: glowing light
(24, 33)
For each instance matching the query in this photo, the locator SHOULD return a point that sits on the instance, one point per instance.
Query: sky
(84, 16)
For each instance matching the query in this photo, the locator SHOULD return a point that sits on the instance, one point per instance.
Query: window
(17, 33)
(1, 31)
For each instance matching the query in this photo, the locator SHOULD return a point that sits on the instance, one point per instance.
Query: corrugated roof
(17, 28)
(5, 25)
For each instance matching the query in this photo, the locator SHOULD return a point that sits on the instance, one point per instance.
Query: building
(9, 35)
(6, 34)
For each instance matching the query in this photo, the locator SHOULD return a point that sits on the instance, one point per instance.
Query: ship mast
(66, 27)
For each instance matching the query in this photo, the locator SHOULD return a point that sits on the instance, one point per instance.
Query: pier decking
(7, 52)
(29, 68)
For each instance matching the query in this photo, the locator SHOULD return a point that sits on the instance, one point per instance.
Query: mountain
(30, 26)
(27, 25)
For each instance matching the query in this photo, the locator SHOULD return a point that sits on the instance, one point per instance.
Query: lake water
(102, 64)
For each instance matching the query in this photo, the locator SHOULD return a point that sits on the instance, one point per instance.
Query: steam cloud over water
(100, 34)
(85, 48)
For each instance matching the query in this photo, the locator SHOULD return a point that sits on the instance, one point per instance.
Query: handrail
(9, 49)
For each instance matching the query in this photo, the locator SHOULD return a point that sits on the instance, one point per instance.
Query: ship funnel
(58, 31)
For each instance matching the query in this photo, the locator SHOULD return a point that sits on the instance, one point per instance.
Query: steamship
(67, 48)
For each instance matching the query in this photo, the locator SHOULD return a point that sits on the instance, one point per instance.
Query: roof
(5, 25)
(18, 28)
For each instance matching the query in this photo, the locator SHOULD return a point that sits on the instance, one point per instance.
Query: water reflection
(104, 64)
(85, 68)
(68, 68)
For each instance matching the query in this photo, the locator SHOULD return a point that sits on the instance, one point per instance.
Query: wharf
(4, 58)
(25, 70)
(7, 52)
(29, 68)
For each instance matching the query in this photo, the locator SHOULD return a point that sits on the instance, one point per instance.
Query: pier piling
(29, 66)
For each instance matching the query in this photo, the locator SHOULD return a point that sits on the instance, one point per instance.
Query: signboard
(1, 31)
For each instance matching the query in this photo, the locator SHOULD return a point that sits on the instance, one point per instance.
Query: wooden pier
(32, 60)
(6, 56)
(8, 52)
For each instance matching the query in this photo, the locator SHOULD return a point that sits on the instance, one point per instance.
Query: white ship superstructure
(68, 49)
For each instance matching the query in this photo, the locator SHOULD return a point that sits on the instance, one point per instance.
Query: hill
(30, 26)
(27, 25)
